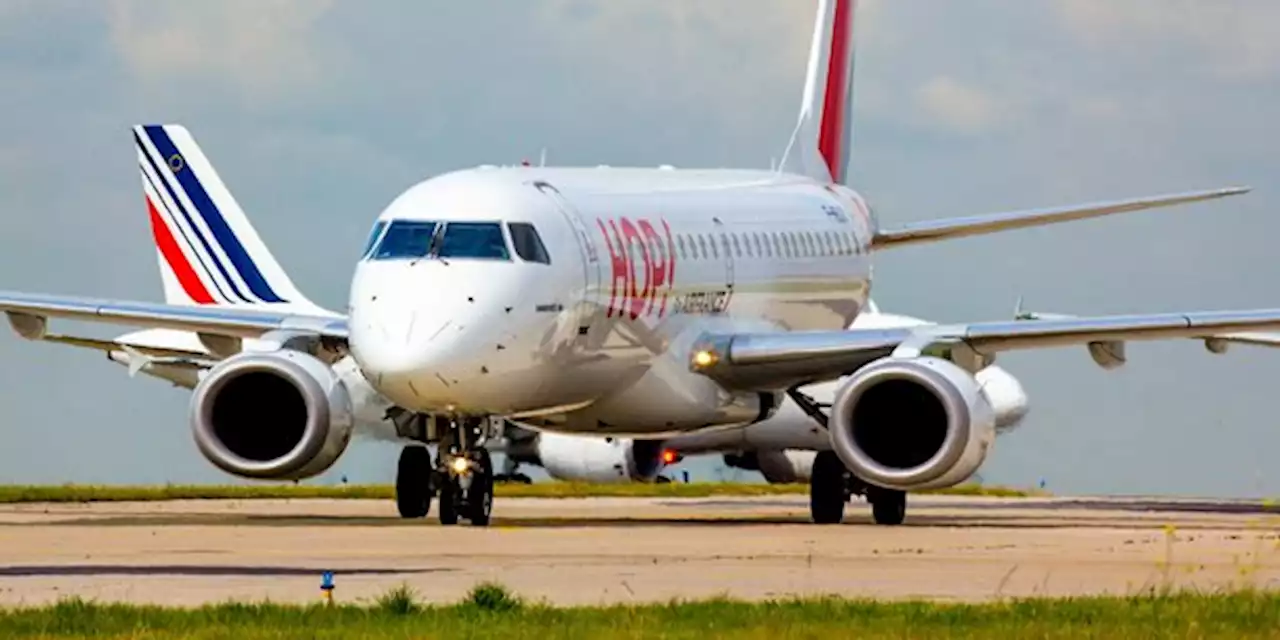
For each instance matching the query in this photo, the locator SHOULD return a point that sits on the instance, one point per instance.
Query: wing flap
(232, 322)
(934, 230)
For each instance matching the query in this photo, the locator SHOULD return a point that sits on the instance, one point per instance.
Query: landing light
(670, 457)
(704, 359)
(459, 464)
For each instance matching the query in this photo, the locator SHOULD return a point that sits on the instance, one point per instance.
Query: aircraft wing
(29, 314)
(783, 359)
(1257, 338)
(945, 229)
(109, 346)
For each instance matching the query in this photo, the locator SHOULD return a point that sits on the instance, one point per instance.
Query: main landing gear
(461, 476)
(831, 484)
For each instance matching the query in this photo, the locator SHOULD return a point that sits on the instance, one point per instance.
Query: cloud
(1233, 40)
(956, 106)
(262, 52)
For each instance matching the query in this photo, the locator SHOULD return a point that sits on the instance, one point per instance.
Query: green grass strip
(490, 611)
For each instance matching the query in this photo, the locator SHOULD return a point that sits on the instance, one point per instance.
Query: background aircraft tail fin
(208, 251)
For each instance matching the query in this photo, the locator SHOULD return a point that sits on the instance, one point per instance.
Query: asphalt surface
(620, 550)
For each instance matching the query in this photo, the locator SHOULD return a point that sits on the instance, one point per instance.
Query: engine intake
(911, 424)
(283, 415)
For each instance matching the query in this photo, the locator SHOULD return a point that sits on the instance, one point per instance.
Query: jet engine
(778, 466)
(283, 415)
(1006, 395)
(912, 423)
(596, 459)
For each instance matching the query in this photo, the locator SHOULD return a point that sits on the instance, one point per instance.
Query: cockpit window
(527, 243)
(474, 240)
(416, 239)
(405, 239)
(373, 238)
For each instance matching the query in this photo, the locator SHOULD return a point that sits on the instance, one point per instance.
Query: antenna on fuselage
(542, 158)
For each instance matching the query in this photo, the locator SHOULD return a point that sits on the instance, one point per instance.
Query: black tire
(888, 507)
(480, 493)
(827, 489)
(448, 510)
(413, 482)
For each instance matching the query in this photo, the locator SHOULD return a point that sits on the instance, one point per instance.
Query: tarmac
(630, 550)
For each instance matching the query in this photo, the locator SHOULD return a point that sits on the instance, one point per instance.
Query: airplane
(782, 448)
(617, 302)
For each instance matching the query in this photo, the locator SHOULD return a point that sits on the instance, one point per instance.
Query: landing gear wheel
(827, 495)
(888, 507)
(413, 482)
(448, 501)
(480, 493)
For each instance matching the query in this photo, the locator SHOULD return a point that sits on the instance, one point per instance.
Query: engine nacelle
(912, 423)
(283, 415)
(596, 459)
(1005, 394)
(778, 466)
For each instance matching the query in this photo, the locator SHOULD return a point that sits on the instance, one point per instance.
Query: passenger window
(737, 248)
(474, 240)
(405, 239)
(527, 243)
(702, 244)
(680, 244)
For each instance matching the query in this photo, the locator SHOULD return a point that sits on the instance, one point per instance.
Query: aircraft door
(725, 243)
(590, 256)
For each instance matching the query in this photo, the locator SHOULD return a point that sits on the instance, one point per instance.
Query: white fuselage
(642, 263)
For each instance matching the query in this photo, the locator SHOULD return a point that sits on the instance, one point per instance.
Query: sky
(318, 113)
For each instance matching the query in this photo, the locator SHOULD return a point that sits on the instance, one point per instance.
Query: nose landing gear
(466, 489)
(462, 474)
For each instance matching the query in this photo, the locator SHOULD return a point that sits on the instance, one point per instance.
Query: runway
(621, 550)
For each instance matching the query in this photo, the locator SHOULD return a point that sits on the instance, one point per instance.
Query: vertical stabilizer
(820, 145)
(208, 251)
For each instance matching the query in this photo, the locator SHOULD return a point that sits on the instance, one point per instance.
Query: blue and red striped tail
(209, 253)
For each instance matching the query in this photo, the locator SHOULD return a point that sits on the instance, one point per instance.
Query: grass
(491, 611)
(10, 494)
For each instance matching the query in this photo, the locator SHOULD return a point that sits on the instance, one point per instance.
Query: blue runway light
(326, 586)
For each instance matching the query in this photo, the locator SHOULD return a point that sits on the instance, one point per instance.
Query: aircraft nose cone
(432, 337)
